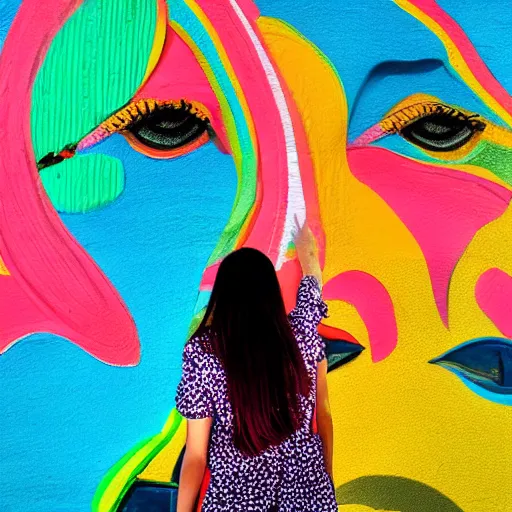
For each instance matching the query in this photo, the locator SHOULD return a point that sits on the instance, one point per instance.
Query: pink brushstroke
(374, 305)
(367, 137)
(442, 208)
(177, 76)
(54, 285)
(93, 138)
(494, 296)
(467, 50)
(266, 231)
(249, 8)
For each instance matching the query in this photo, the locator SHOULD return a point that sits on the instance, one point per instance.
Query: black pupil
(439, 132)
(169, 128)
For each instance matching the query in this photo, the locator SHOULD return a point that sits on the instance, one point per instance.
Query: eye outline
(166, 154)
(137, 112)
(482, 386)
(401, 121)
(465, 123)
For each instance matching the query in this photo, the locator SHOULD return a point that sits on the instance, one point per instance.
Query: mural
(142, 140)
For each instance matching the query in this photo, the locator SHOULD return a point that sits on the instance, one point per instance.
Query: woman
(252, 378)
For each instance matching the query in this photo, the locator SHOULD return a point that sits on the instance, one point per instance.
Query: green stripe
(236, 125)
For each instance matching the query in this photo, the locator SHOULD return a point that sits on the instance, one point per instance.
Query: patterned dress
(290, 477)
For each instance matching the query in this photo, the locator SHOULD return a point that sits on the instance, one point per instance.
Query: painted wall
(142, 140)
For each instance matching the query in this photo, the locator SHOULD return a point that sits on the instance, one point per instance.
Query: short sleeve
(310, 307)
(193, 397)
(308, 312)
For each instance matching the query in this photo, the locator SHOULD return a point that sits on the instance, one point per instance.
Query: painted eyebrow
(392, 68)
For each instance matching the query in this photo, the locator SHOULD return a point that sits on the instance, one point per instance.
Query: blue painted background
(8, 10)
(67, 418)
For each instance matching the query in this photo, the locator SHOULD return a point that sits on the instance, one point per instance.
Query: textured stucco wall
(142, 140)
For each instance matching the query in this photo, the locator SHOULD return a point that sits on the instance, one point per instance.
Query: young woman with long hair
(252, 379)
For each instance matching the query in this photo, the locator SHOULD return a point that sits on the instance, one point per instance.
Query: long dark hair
(251, 336)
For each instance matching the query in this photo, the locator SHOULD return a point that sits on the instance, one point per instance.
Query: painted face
(157, 139)
(411, 206)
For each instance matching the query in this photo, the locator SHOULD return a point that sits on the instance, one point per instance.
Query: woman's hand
(307, 251)
(305, 241)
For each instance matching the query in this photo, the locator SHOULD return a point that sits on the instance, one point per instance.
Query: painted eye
(442, 131)
(169, 129)
(340, 352)
(484, 365)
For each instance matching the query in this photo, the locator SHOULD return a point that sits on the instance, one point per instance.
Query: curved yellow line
(456, 59)
(161, 468)
(229, 122)
(117, 482)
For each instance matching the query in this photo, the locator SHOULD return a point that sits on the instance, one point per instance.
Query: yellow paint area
(161, 467)
(361, 508)
(402, 416)
(339, 309)
(3, 268)
(489, 249)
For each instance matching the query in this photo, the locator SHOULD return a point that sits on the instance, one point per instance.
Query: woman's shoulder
(199, 349)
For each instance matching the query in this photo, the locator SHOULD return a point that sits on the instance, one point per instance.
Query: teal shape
(83, 183)
(104, 46)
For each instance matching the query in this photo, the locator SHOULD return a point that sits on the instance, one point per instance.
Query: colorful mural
(142, 140)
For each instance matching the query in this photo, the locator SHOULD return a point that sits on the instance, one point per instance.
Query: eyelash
(398, 120)
(136, 111)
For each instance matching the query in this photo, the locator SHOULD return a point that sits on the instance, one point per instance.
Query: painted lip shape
(484, 365)
(341, 347)
(385, 492)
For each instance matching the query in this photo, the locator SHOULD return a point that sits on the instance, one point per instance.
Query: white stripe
(296, 203)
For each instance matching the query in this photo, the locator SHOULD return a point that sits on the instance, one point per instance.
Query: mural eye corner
(340, 352)
(484, 366)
